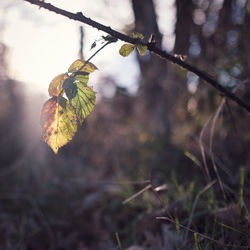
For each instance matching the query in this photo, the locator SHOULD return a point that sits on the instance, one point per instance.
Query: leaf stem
(86, 62)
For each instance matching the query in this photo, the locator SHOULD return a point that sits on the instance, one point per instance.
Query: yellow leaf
(142, 49)
(78, 66)
(126, 49)
(58, 121)
(138, 35)
(55, 87)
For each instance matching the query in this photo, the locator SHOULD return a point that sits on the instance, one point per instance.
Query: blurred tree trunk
(154, 93)
(184, 26)
(160, 90)
(215, 46)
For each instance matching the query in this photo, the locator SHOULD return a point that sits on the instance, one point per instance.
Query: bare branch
(151, 47)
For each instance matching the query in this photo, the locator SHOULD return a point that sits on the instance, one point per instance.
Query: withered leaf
(59, 122)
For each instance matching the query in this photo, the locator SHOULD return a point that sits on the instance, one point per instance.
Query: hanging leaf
(55, 87)
(138, 35)
(126, 49)
(78, 66)
(59, 115)
(142, 49)
(93, 45)
(83, 102)
(59, 122)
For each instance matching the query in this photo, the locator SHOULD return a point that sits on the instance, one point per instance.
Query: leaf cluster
(72, 100)
(127, 48)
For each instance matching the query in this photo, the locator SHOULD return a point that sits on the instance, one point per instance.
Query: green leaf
(138, 35)
(142, 49)
(59, 122)
(79, 65)
(126, 49)
(82, 77)
(55, 87)
(84, 101)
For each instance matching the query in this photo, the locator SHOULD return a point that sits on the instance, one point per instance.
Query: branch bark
(151, 47)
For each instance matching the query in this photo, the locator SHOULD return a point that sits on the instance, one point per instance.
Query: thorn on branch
(151, 39)
(181, 57)
(79, 14)
(41, 1)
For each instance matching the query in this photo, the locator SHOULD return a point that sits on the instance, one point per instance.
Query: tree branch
(151, 47)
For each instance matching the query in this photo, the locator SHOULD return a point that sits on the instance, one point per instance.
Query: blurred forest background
(176, 137)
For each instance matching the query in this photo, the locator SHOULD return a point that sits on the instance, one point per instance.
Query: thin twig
(194, 206)
(108, 182)
(202, 148)
(137, 194)
(232, 118)
(81, 43)
(86, 62)
(215, 118)
(151, 47)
